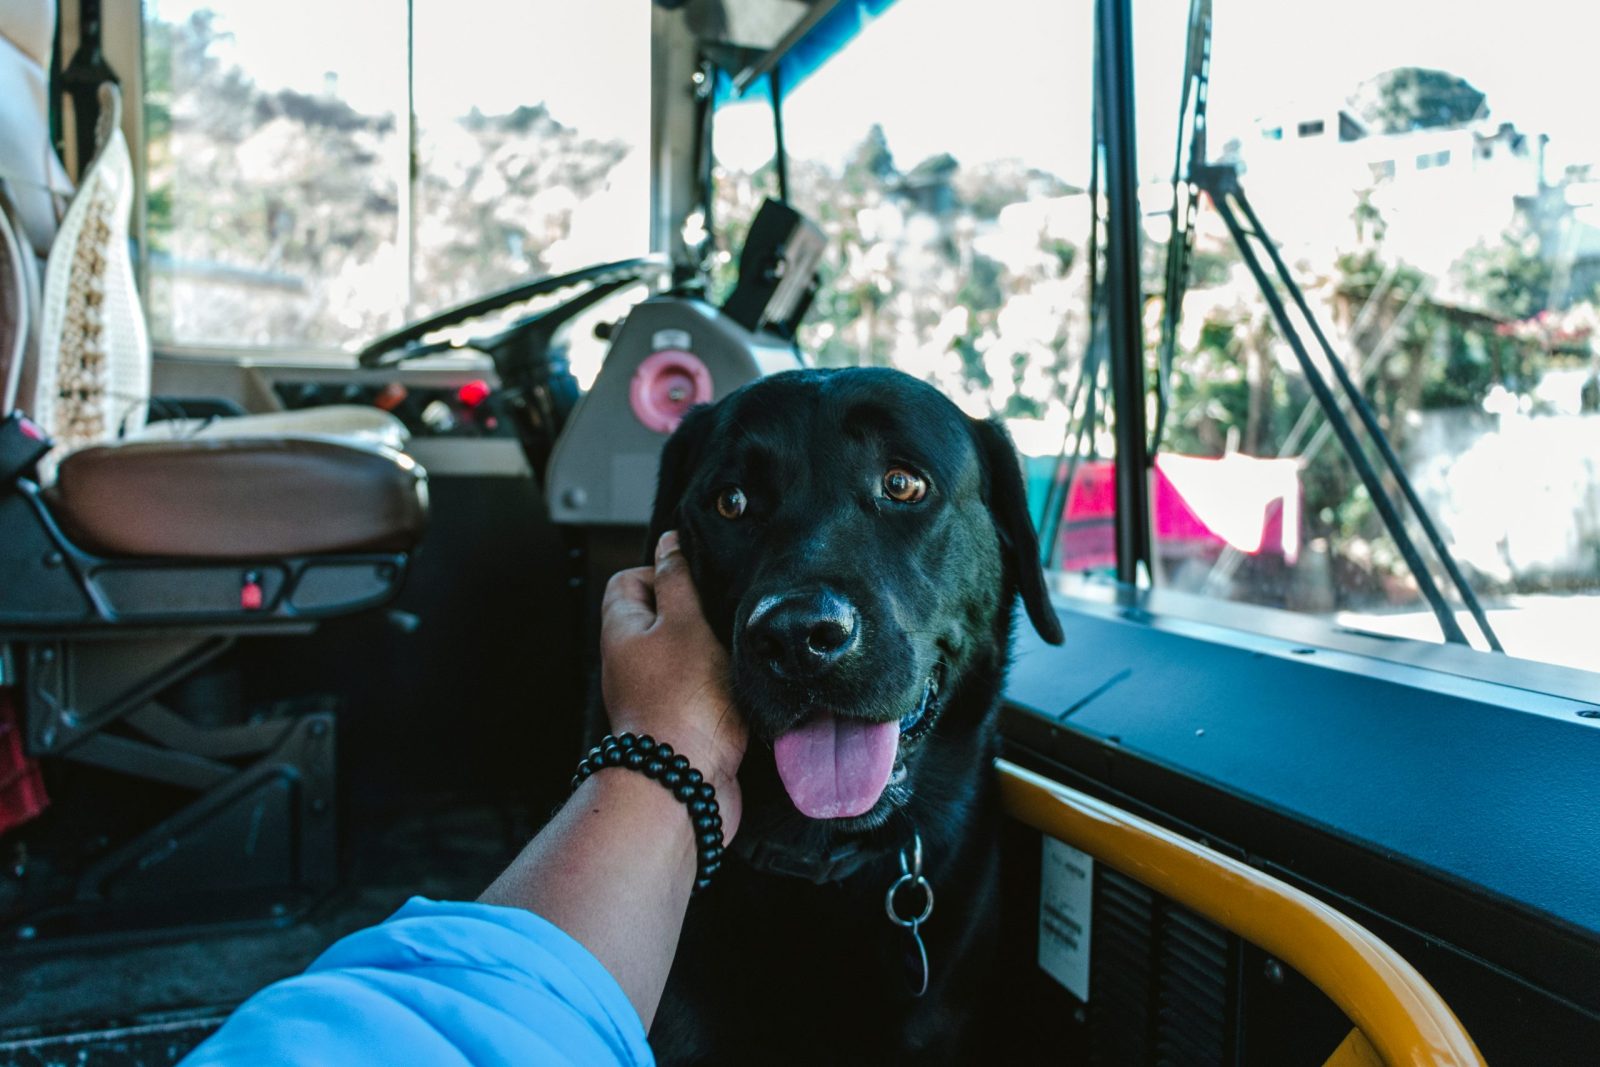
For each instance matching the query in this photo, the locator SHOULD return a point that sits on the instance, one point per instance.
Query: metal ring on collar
(917, 881)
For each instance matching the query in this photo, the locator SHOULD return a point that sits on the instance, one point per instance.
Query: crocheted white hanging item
(94, 351)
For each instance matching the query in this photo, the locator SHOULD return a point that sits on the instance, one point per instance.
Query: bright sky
(1016, 81)
(1011, 81)
(588, 59)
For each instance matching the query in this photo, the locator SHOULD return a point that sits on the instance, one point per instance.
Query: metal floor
(149, 1003)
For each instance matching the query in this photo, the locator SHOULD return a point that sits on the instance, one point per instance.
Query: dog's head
(857, 542)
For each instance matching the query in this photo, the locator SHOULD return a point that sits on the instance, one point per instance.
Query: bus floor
(150, 1002)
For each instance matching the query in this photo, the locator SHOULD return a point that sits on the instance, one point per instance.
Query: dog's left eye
(908, 487)
(731, 502)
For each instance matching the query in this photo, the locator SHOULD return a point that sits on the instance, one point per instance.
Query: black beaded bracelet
(656, 760)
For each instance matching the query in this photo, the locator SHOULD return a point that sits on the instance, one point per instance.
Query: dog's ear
(1008, 503)
(678, 461)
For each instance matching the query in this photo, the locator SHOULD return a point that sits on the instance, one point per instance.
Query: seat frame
(91, 643)
(257, 842)
(49, 583)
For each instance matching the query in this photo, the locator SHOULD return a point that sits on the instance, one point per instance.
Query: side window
(1448, 242)
(275, 172)
(310, 187)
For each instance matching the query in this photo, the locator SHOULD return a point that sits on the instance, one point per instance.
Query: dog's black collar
(833, 863)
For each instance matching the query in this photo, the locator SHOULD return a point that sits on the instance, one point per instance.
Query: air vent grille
(1161, 981)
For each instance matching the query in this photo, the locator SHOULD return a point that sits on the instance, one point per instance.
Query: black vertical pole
(780, 150)
(81, 80)
(1114, 61)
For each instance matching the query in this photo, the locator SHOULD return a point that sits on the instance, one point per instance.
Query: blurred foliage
(1415, 98)
(1237, 387)
(275, 216)
(1511, 276)
(967, 276)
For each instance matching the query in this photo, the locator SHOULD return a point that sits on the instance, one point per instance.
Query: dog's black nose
(800, 635)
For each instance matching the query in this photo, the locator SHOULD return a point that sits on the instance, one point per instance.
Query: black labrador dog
(858, 543)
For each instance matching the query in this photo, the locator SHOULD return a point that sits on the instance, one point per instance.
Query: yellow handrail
(1392, 1005)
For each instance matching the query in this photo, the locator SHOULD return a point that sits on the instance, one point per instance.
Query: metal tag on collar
(916, 956)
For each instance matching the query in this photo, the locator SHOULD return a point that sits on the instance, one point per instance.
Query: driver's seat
(75, 356)
(130, 563)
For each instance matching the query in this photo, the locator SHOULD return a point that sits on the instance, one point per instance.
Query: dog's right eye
(905, 486)
(731, 502)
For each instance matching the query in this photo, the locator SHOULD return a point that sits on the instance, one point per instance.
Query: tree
(274, 217)
(870, 163)
(922, 272)
(1416, 98)
(1512, 276)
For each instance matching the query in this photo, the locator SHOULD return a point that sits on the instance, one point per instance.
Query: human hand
(664, 673)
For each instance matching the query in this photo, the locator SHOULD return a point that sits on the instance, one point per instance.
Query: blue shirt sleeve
(440, 983)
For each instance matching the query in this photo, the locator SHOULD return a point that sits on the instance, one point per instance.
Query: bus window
(529, 160)
(948, 171)
(283, 206)
(1448, 240)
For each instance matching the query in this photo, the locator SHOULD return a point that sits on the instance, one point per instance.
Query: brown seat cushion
(354, 423)
(239, 498)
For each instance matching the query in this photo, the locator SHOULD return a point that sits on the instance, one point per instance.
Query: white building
(1438, 191)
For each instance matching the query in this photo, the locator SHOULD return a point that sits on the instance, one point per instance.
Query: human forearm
(588, 914)
(614, 869)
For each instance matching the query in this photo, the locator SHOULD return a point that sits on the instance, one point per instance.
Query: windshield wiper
(1221, 183)
(1185, 204)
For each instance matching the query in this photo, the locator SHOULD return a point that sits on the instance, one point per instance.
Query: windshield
(1433, 195)
(1430, 195)
(955, 217)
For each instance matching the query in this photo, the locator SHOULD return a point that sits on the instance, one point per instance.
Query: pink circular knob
(664, 388)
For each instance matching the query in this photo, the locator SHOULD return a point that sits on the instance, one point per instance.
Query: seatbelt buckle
(22, 445)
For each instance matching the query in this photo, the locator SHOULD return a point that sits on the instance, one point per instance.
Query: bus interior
(339, 343)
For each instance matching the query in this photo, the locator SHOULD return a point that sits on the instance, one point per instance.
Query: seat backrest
(33, 188)
(16, 310)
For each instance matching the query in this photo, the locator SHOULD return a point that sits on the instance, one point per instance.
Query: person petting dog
(563, 958)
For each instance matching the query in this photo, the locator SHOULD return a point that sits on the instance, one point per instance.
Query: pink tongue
(836, 768)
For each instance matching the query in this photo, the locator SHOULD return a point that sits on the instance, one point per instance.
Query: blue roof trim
(824, 41)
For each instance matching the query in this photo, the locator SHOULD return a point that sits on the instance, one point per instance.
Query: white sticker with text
(1066, 897)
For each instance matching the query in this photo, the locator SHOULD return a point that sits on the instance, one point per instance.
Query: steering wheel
(529, 336)
(537, 389)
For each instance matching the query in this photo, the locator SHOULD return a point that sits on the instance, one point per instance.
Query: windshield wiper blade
(1222, 183)
(1079, 434)
(1185, 205)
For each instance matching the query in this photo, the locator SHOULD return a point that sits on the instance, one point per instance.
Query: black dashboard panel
(1458, 818)
(468, 409)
